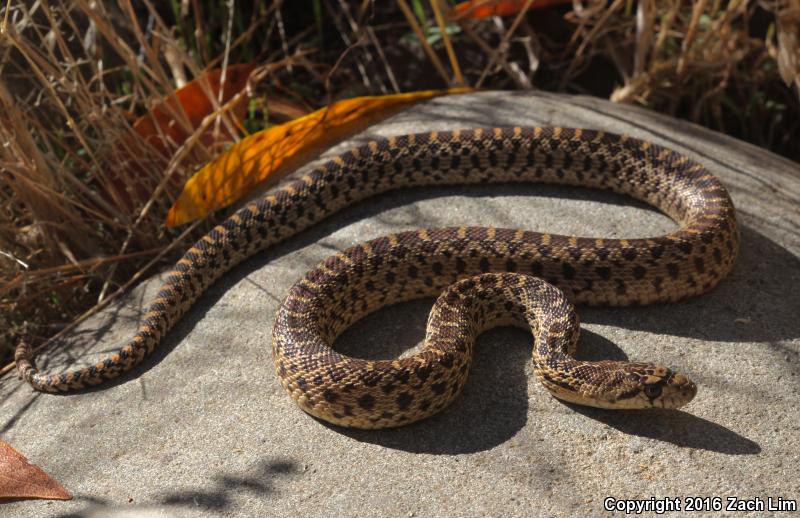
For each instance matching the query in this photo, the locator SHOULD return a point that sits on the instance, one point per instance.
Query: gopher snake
(497, 275)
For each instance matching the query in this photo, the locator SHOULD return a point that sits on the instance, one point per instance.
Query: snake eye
(652, 391)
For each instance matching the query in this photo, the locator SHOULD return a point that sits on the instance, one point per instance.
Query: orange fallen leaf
(193, 100)
(475, 9)
(169, 123)
(20, 479)
(262, 158)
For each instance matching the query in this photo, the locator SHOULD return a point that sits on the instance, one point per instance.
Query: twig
(412, 21)
(379, 49)
(501, 48)
(5, 17)
(18, 261)
(697, 10)
(610, 10)
(437, 12)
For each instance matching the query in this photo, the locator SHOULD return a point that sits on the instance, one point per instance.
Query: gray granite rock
(204, 429)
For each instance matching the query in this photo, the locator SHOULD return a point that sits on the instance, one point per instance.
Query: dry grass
(83, 198)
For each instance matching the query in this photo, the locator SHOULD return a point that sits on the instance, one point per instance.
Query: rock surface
(204, 429)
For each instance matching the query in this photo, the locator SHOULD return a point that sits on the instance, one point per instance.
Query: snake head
(621, 385)
(647, 385)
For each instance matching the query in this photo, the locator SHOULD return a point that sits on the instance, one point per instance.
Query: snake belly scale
(482, 276)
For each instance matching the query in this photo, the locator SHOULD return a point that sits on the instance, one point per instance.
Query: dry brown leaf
(19, 479)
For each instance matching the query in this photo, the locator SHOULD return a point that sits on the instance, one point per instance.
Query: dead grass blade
(423, 40)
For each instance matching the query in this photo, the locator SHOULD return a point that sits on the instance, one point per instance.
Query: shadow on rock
(673, 426)
(754, 304)
(220, 495)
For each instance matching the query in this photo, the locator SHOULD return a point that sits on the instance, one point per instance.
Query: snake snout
(659, 387)
(678, 391)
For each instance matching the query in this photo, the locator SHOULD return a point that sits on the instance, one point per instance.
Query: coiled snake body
(483, 276)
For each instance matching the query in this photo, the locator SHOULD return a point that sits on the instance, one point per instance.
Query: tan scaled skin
(381, 394)
(414, 264)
